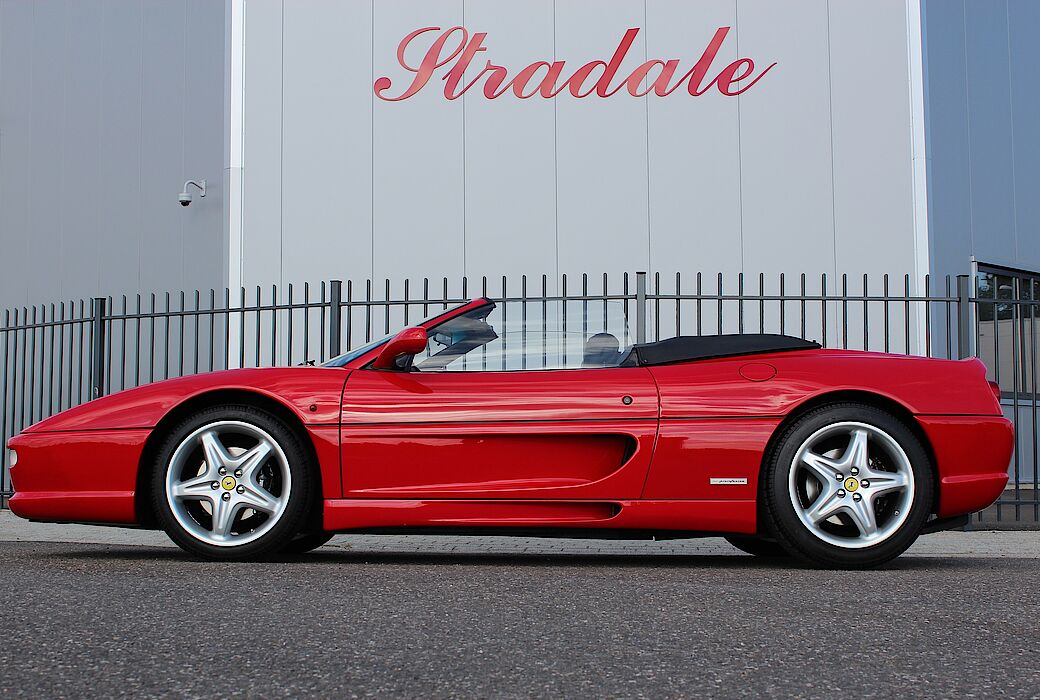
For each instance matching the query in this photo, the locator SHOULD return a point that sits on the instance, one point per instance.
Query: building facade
(541, 137)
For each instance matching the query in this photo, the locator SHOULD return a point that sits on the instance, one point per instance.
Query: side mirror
(410, 341)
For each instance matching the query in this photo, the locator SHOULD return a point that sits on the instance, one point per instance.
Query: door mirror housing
(410, 341)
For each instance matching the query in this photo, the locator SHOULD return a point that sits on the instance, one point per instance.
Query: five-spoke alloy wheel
(232, 482)
(848, 486)
(851, 484)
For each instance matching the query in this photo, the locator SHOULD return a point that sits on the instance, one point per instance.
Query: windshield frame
(365, 354)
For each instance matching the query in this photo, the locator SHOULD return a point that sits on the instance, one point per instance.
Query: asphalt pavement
(113, 612)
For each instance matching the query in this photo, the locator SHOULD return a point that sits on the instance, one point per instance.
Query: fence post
(640, 307)
(963, 316)
(335, 329)
(3, 411)
(97, 349)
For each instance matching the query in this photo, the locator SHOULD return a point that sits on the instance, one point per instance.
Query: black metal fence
(55, 356)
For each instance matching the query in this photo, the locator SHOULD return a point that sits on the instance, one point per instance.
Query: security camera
(184, 198)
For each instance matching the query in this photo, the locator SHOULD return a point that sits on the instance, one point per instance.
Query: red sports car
(496, 418)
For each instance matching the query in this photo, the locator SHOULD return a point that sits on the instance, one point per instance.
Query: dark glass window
(1008, 329)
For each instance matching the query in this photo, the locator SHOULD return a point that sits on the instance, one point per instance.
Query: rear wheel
(848, 486)
(232, 482)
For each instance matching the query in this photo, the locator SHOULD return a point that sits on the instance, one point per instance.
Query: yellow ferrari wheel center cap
(851, 484)
(228, 482)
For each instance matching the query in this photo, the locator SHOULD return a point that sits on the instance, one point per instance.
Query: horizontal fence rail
(59, 355)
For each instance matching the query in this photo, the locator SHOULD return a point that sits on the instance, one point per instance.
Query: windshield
(350, 356)
(341, 360)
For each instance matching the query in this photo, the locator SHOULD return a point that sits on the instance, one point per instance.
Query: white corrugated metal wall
(811, 170)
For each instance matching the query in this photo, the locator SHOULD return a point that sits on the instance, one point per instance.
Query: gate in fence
(55, 356)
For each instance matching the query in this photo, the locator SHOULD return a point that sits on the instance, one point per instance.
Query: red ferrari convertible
(493, 419)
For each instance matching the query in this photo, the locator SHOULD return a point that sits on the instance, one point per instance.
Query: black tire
(784, 522)
(299, 499)
(306, 541)
(757, 546)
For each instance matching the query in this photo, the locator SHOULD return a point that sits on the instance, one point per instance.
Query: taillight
(995, 388)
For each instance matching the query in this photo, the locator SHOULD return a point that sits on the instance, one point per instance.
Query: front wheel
(232, 482)
(848, 486)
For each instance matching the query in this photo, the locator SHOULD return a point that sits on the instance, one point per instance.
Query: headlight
(13, 458)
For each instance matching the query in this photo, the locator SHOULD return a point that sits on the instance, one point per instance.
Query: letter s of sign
(431, 62)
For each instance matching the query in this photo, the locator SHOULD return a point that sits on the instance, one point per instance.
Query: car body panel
(87, 476)
(562, 433)
(717, 389)
(666, 515)
(325, 439)
(692, 452)
(972, 454)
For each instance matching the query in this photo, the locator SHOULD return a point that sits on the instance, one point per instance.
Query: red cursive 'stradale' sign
(546, 79)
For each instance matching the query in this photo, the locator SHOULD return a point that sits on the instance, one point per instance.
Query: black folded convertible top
(686, 348)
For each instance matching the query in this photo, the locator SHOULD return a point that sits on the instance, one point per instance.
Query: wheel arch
(879, 401)
(217, 397)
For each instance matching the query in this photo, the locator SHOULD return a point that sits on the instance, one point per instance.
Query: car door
(479, 418)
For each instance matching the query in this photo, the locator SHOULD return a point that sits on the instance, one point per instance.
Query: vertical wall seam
(646, 105)
(740, 152)
(967, 117)
(830, 128)
(184, 130)
(62, 160)
(464, 237)
(28, 165)
(917, 83)
(236, 147)
(1011, 114)
(372, 147)
(140, 136)
(556, 162)
(281, 147)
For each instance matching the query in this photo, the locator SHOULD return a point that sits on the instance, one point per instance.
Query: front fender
(313, 394)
